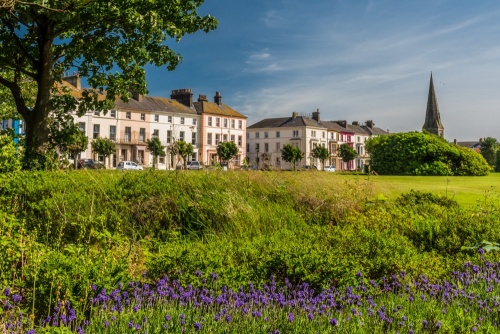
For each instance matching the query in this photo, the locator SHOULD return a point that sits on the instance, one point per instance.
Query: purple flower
(333, 321)
(425, 323)
(6, 292)
(290, 317)
(16, 298)
(228, 318)
(310, 316)
(197, 326)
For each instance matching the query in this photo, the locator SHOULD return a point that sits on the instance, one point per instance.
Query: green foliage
(227, 150)
(184, 150)
(347, 153)
(109, 43)
(155, 147)
(417, 153)
(497, 165)
(489, 147)
(9, 156)
(291, 154)
(103, 146)
(321, 153)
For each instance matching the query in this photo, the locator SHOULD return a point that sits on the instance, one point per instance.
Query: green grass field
(466, 190)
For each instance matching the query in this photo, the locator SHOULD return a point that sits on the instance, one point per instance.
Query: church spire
(432, 117)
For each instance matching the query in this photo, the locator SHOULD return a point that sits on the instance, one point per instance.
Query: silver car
(195, 165)
(128, 165)
(329, 169)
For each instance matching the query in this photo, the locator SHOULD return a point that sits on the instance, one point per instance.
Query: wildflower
(333, 321)
(198, 273)
(197, 326)
(425, 323)
(106, 323)
(137, 327)
(167, 317)
(130, 324)
(228, 318)
(214, 276)
(310, 316)
(290, 317)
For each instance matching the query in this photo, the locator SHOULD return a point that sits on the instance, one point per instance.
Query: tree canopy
(155, 147)
(347, 153)
(108, 42)
(291, 153)
(227, 150)
(416, 153)
(321, 153)
(103, 146)
(489, 147)
(184, 150)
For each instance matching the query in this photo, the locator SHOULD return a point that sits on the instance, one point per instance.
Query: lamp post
(257, 159)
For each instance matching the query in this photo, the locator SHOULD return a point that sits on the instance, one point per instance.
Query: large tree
(489, 147)
(227, 151)
(104, 147)
(155, 147)
(416, 153)
(321, 153)
(291, 153)
(109, 42)
(347, 153)
(184, 150)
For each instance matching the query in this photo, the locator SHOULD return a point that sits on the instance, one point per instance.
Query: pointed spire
(432, 117)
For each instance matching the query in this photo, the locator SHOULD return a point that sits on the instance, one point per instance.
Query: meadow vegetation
(66, 236)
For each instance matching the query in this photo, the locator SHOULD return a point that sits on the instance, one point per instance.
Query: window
(225, 122)
(278, 146)
(157, 118)
(181, 135)
(156, 133)
(240, 124)
(266, 147)
(112, 132)
(128, 115)
(323, 134)
(248, 135)
(193, 138)
(278, 134)
(209, 138)
(97, 113)
(112, 113)
(169, 119)
(96, 130)
(142, 134)
(182, 120)
(295, 133)
(194, 121)
(248, 147)
(217, 139)
(313, 133)
(224, 136)
(209, 121)
(81, 126)
(217, 122)
(143, 117)
(128, 133)
(359, 139)
(266, 134)
(169, 136)
(232, 123)
(257, 135)
(257, 147)
(240, 140)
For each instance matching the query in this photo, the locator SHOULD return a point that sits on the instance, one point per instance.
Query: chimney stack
(295, 114)
(138, 97)
(315, 115)
(218, 98)
(342, 123)
(355, 123)
(370, 124)
(202, 98)
(73, 80)
(184, 96)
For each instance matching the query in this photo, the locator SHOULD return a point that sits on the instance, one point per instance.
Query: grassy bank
(63, 233)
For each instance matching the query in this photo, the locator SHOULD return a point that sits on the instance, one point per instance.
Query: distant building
(432, 117)
(266, 138)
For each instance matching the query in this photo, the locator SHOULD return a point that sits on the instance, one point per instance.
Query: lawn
(466, 190)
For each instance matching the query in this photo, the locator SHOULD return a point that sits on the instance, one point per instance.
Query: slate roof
(286, 122)
(216, 109)
(156, 104)
(470, 144)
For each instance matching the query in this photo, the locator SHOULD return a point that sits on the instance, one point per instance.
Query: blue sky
(356, 60)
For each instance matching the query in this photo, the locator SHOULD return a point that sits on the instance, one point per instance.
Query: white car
(329, 169)
(128, 165)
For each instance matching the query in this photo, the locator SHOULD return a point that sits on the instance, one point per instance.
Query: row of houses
(205, 123)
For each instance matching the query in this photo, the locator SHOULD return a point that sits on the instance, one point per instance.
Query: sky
(354, 60)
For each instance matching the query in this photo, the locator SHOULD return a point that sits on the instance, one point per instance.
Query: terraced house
(266, 138)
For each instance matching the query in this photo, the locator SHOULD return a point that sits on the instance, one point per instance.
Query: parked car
(329, 169)
(89, 164)
(195, 165)
(128, 165)
(308, 167)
